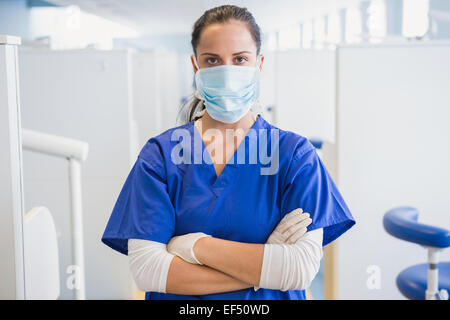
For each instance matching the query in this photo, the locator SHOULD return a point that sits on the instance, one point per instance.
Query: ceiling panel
(178, 16)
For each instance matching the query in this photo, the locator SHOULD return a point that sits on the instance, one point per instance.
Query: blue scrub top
(161, 199)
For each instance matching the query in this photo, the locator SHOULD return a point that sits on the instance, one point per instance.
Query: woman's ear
(193, 61)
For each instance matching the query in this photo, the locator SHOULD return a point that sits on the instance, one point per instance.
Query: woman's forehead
(232, 36)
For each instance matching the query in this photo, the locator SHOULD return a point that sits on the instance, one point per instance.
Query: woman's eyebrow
(215, 54)
(241, 52)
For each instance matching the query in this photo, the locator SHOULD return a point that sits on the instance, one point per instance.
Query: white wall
(145, 96)
(85, 95)
(156, 92)
(305, 92)
(169, 88)
(393, 150)
(267, 95)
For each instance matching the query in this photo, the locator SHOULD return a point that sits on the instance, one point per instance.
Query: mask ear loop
(196, 93)
(200, 107)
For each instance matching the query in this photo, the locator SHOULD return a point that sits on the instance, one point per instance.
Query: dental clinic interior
(85, 84)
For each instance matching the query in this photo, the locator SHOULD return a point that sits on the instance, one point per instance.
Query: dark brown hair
(220, 14)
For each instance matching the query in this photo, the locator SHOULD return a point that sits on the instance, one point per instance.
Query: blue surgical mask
(228, 90)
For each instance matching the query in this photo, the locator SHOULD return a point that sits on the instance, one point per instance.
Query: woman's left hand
(183, 246)
(291, 228)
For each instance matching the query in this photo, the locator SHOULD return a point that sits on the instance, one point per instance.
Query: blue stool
(422, 281)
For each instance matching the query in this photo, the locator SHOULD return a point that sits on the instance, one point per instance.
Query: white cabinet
(85, 95)
(11, 186)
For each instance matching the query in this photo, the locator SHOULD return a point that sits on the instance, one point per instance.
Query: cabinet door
(11, 186)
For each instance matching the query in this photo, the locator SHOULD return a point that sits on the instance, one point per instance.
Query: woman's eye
(241, 60)
(211, 60)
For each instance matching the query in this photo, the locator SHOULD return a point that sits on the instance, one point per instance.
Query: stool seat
(412, 282)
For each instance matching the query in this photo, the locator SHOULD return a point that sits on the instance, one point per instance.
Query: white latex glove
(291, 228)
(183, 246)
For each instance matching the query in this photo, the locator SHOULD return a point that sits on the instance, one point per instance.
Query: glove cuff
(192, 248)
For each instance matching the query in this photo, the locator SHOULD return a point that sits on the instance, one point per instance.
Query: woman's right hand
(291, 228)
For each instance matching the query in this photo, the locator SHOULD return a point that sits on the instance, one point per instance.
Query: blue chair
(430, 281)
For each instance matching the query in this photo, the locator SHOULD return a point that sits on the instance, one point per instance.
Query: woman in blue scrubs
(187, 180)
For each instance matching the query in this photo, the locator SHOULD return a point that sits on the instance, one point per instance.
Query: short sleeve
(143, 209)
(309, 186)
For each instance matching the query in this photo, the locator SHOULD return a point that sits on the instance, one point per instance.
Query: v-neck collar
(229, 172)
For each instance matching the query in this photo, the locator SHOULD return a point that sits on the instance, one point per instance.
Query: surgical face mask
(228, 90)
